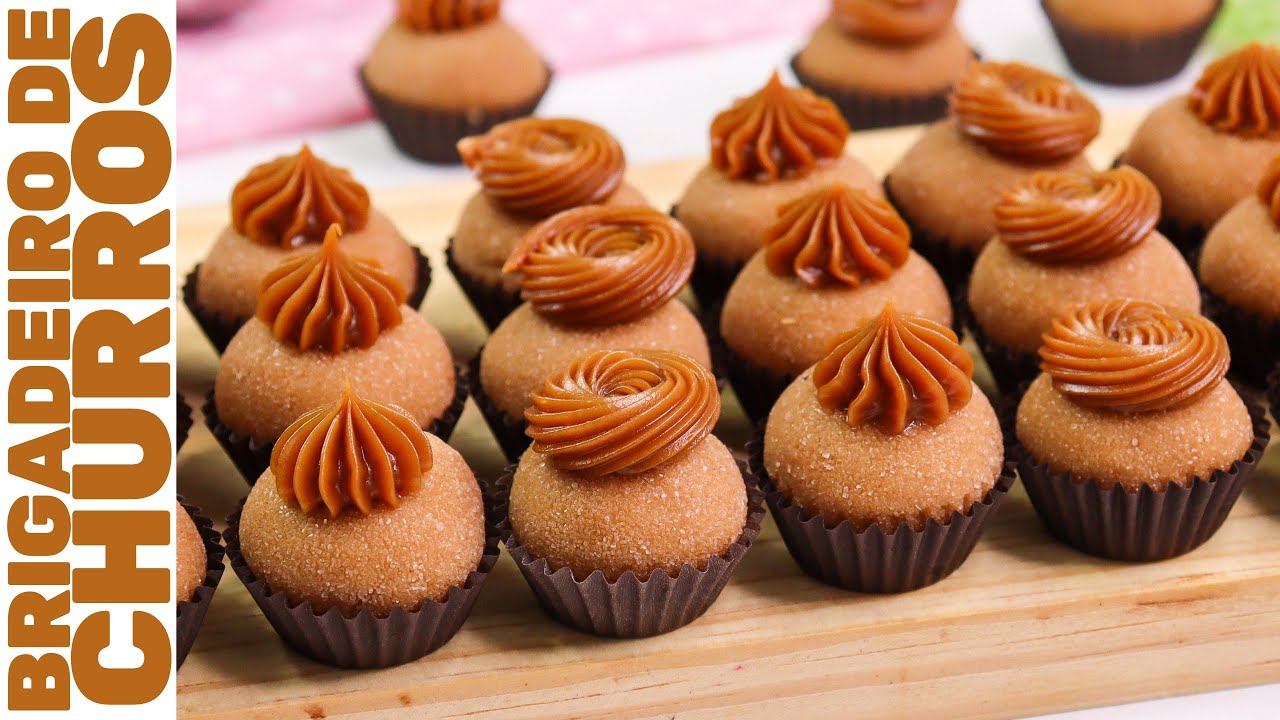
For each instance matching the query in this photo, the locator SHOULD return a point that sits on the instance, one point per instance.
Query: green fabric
(1244, 20)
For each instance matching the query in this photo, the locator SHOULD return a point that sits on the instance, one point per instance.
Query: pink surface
(289, 65)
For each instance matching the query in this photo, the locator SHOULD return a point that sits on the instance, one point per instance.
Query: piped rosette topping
(328, 300)
(1065, 217)
(353, 453)
(1134, 356)
(602, 264)
(295, 198)
(896, 21)
(895, 371)
(1269, 190)
(1022, 112)
(537, 167)
(446, 15)
(623, 411)
(1239, 93)
(836, 235)
(779, 132)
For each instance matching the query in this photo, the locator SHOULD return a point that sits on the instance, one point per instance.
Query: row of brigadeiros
(831, 302)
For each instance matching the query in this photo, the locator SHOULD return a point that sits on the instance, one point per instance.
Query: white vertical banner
(88, 494)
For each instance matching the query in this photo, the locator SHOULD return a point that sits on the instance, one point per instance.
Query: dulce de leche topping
(602, 264)
(328, 300)
(1269, 189)
(445, 15)
(537, 167)
(893, 20)
(1239, 93)
(837, 234)
(1067, 217)
(295, 198)
(1023, 112)
(1134, 356)
(623, 411)
(893, 371)
(778, 132)
(353, 453)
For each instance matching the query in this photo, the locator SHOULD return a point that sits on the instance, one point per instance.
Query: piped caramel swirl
(329, 300)
(537, 167)
(1023, 112)
(893, 371)
(898, 21)
(295, 198)
(623, 411)
(445, 15)
(1134, 356)
(1239, 93)
(602, 264)
(352, 453)
(1064, 217)
(1269, 189)
(776, 133)
(837, 235)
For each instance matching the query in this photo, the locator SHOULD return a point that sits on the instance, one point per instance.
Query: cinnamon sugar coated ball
(784, 325)
(1240, 260)
(228, 279)
(866, 476)
(948, 186)
(486, 236)
(836, 58)
(263, 385)
(726, 217)
(1015, 299)
(193, 559)
(394, 557)
(1132, 449)
(684, 511)
(526, 348)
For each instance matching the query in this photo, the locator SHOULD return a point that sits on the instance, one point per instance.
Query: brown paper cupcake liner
(252, 457)
(867, 111)
(432, 135)
(757, 388)
(191, 612)
(183, 422)
(365, 640)
(712, 278)
(1118, 59)
(628, 607)
(493, 303)
(1254, 340)
(1012, 370)
(219, 330)
(873, 561)
(1273, 392)
(954, 264)
(1146, 525)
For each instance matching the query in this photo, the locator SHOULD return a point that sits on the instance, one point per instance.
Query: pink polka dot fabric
(290, 65)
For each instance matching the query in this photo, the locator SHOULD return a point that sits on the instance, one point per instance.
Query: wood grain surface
(1025, 626)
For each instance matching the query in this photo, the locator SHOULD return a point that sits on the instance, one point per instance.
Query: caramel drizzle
(1134, 356)
(445, 15)
(894, 371)
(1239, 93)
(537, 167)
(1269, 189)
(896, 21)
(328, 300)
(776, 133)
(353, 453)
(1023, 112)
(623, 411)
(295, 198)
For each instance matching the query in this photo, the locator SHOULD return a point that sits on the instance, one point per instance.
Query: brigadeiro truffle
(884, 461)
(885, 62)
(832, 259)
(1008, 121)
(446, 69)
(627, 516)
(528, 170)
(1133, 446)
(365, 543)
(322, 317)
(1240, 270)
(1129, 43)
(768, 148)
(197, 570)
(1208, 149)
(281, 209)
(1064, 239)
(594, 278)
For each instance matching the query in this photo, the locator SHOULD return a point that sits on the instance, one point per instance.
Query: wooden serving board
(1025, 626)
